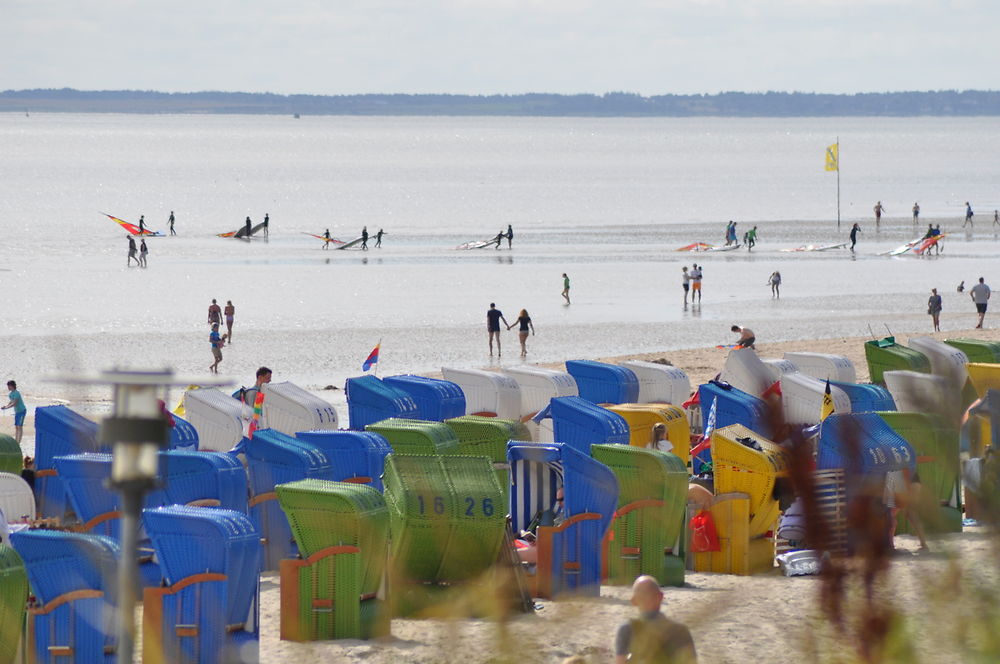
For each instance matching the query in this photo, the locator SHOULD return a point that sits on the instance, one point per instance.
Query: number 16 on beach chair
(569, 554)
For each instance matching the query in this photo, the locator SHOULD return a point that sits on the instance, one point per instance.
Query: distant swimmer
(217, 341)
(493, 318)
(267, 224)
(143, 252)
(142, 224)
(326, 236)
(775, 281)
(878, 213)
(510, 236)
(916, 212)
(230, 312)
(131, 252)
(249, 227)
(565, 290)
(364, 238)
(854, 235)
(378, 238)
(747, 338)
(968, 215)
(685, 282)
(214, 313)
(695, 282)
(170, 221)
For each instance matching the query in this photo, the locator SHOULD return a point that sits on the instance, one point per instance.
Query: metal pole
(128, 572)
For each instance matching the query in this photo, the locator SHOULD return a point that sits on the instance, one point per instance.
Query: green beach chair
(977, 350)
(937, 446)
(488, 437)
(416, 436)
(11, 460)
(447, 523)
(13, 602)
(342, 532)
(647, 532)
(887, 355)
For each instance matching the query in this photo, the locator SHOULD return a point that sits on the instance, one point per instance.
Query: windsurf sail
(729, 248)
(331, 240)
(348, 245)
(903, 248)
(928, 243)
(256, 228)
(132, 229)
(695, 246)
(832, 246)
(477, 244)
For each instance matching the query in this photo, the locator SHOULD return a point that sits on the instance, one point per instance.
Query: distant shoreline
(943, 103)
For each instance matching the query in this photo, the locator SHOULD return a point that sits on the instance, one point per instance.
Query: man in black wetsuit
(249, 226)
(267, 224)
(171, 222)
(493, 318)
(364, 238)
(326, 245)
(510, 236)
(131, 251)
(142, 224)
(378, 238)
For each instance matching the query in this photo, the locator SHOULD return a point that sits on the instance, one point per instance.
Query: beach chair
(205, 479)
(886, 355)
(274, 458)
(11, 460)
(538, 387)
(779, 367)
(580, 423)
(183, 435)
(72, 577)
(355, 456)
(488, 437)
(288, 408)
(734, 406)
(745, 509)
(207, 608)
(977, 350)
(866, 397)
(745, 371)
(436, 399)
(647, 532)
(642, 417)
(342, 533)
(416, 436)
(946, 360)
(918, 392)
(824, 366)
(217, 417)
(600, 382)
(17, 500)
(13, 600)
(984, 376)
(660, 383)
(936, 444)
(487, 392)
(569, 554)
(59, 431)
(802, 399)
(370, 400)
(446, 524)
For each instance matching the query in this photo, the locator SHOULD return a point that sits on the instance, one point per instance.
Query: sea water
(607, 201)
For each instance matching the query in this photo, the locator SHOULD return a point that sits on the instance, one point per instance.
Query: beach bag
(792, 526)
(704, 537)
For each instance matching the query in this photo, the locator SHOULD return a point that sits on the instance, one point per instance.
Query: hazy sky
(500, 46)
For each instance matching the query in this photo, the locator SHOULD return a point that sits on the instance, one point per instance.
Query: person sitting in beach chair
(553, 515)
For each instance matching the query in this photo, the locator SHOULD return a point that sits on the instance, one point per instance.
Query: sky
(648, 47)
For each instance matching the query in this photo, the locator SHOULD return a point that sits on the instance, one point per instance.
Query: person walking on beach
(996, 217)
(267, 224)
(980, 294)
(695, 282)
(747, 338)
(510, 236)
(685, 282)
(968, 215)
(878, 213)
(652, 637)
(751, 238)
(916, 212)
(775, 281)
(170, 222)
(217, 342)
(20, 410)
(378, 239)
(855, 229)
(214, 313)
(230, 313)
(524, 324)
(142, 224)
(565, 290)
(493, 318)
(934, 308)
(143, 252)
(131, 251)
(364, 238)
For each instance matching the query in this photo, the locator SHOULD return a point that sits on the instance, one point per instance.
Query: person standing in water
(142, 224)
(980, 294)
(934, 309)
(855, 229)
(267, 224)
(143, 252)
(751, 238)
(170, 221)
(214, 313)
(996, 217)
(565, 290)
(775, 281)
(249, 227)
(524, 325)
(968, 215)
(326, 236)
(695, 282)
(510, 236)
(685, 282)
(916, 212)
(364, 238)
(878, 213)
(217, 342)
(131, 251)
(378, 239)
(230, 312)
(493, 318)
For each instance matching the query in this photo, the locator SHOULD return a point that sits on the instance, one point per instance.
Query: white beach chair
(17, 500)
(487, 392)
(289, 409)
(945, 360)
(824, 365)
(916, 392)
(660, 383)
(779, 367)
(802, 398)
(745, 371)
(217, 417)
(538, 386)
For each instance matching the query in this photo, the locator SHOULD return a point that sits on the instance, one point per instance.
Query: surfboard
(729, 248)
(832, 246)
(805, 247)
(348, 245)
(903, 248)
(695, 246)
(476, 244)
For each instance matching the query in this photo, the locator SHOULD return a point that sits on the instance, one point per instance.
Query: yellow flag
(826, 409)
(833, 157)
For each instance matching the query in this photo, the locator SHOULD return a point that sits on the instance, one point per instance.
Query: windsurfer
(378, 238)
(142, 224)
(364, 238)
(855, 229)
(326, 236)
(249, 227)
(171, 222)
(267, 224)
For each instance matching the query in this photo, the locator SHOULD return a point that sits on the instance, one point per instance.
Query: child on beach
(20, 410)
(217, 343)
(775, 281)
(685, 282)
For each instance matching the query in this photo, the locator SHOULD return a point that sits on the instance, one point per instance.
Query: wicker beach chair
(17, 501)
(602, 383)
(436, 399)
(977, 350)
(886, 355)
(486, 392)
(647, 533)
(642, 417)
(288, 408)
(416, 436)
(11, 460)
(72, 577)
(370, 400)
(206, 609)
(660, 383)
(342, 532)
(13, 599)
(275, 458)
(488, 437)
(580, 423)
(355, 456)
(59, 431)
(569, 554)
(208, 479)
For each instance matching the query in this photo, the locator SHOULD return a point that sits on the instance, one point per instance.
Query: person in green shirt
(20, 410)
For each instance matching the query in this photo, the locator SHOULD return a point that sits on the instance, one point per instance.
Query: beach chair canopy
(201, 476)
(537, 472)
(416, 436)
(914, 391)
(862, 443)
(660, 383)
(580, 423)
(802, 398)
(745, 371)
(356, 456)
(183, 435)
(824, 366)
(60, 431)
(745, 462)
(370, 400)
(779, 367)
(486, 436)
(17, 500)
(539, 385)
(487, 392)
(274, 458)
(946, 360)
(866, 397)
(600, 382)
(977, 350)
(60, 562)
(436, 399)
(642, 417)
(288, 408)
(11, 460)
(734, 406)
(887, 355)
(217, 417)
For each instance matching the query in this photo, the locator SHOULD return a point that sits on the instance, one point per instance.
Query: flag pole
(380, 352)
(838, 183)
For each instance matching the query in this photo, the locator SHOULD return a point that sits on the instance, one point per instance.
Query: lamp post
(136, 431)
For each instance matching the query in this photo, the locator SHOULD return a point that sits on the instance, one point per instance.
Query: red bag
(704, 537)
